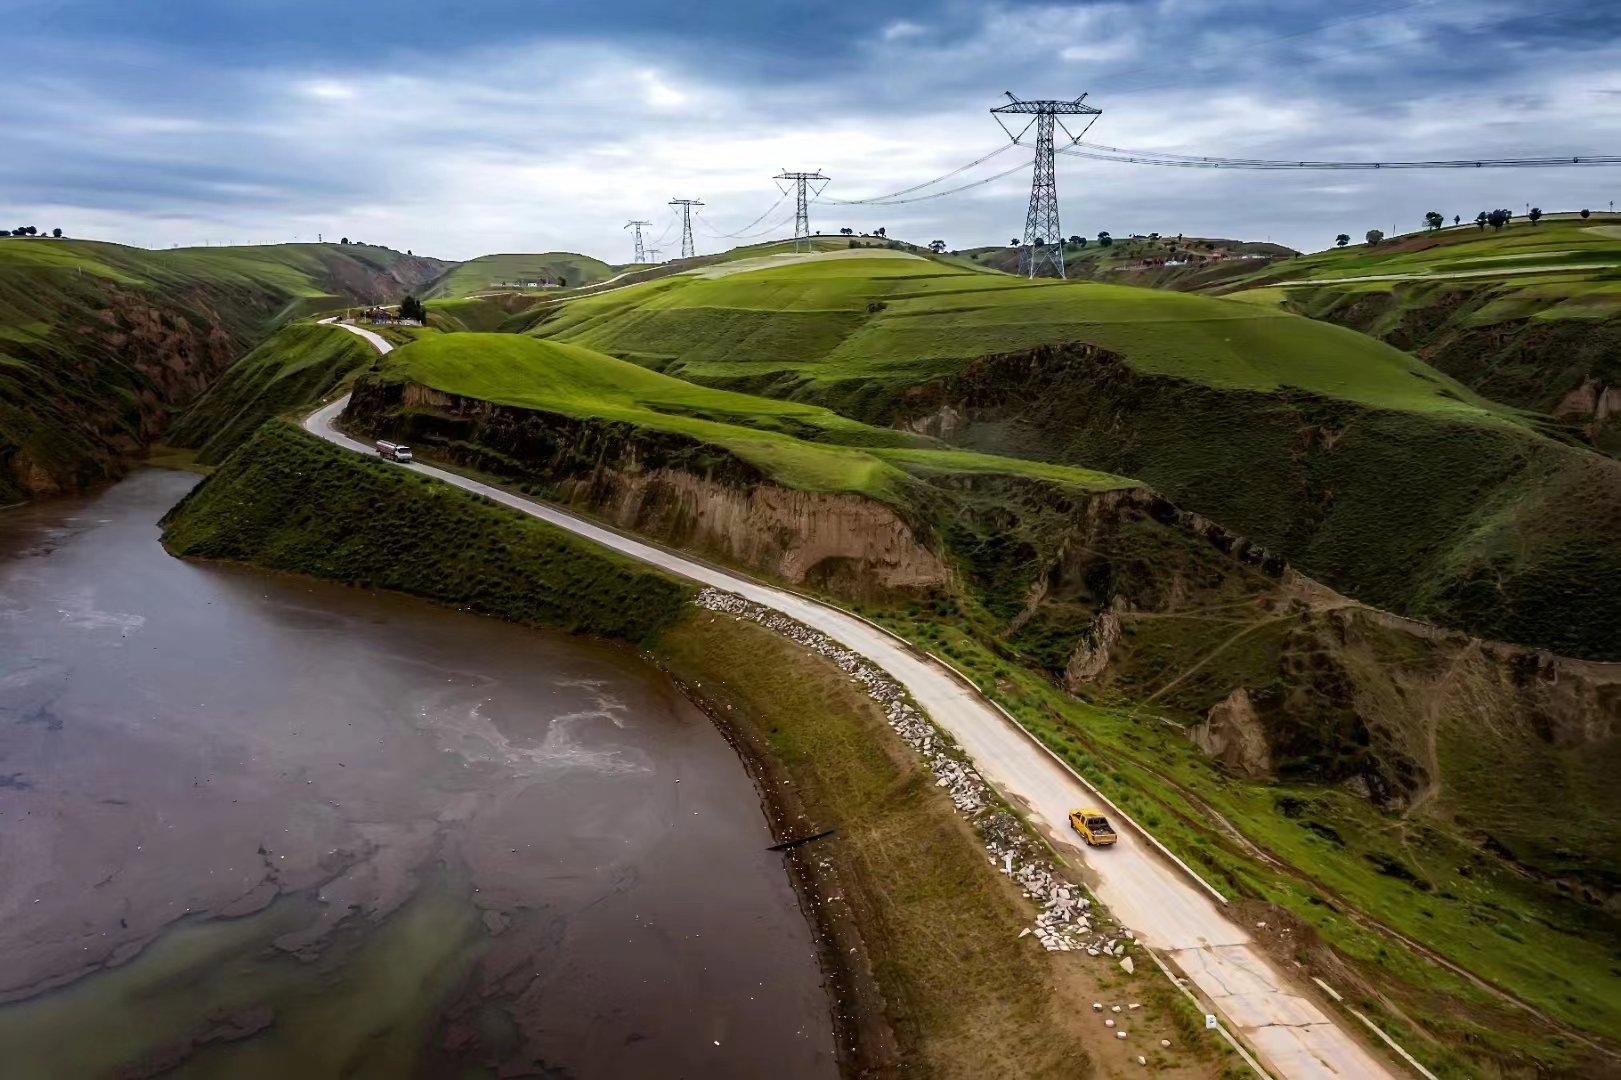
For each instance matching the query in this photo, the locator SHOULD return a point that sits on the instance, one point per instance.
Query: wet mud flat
(261, 826)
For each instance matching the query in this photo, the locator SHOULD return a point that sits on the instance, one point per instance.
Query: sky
(456, 129)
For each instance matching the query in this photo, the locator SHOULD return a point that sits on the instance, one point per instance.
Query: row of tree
(1435, 221)
(29, 230)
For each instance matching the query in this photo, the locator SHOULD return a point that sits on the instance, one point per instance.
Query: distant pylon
(686, 205)
(802, 231)
(1043, 247)
(641, 252)
(653, 254)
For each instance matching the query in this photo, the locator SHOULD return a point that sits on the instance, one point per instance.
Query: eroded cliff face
(669, 487)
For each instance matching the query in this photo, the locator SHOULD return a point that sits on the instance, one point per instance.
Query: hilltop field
(1360, 464)
(1529, 315)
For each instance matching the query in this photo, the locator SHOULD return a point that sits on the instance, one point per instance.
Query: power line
(745, 229)
(1099, 152)
(927, 183)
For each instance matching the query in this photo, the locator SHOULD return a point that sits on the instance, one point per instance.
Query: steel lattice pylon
(1043, 249)
(801, 180)
(688, 250)
(641, 249)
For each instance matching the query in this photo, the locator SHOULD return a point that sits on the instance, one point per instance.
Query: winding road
(1167, 907)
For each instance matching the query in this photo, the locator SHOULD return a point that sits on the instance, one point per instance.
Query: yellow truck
(1093, 827)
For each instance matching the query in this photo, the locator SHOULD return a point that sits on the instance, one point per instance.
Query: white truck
(393, 451)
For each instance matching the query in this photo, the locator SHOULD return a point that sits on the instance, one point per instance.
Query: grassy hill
(799, 446)
(1529, 315)
(98, 342)
(1198, 261)
(1407, 768)
(487, 272)
(299, 364)
(1367, 468)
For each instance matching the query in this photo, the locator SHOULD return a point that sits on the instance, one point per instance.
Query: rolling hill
(99, 342)
(1360, 464)
(493, 272)
(1529, 315)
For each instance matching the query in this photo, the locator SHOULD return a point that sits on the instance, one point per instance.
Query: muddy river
(258, 826)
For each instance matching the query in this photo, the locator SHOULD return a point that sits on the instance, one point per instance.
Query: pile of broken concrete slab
(1068, 920)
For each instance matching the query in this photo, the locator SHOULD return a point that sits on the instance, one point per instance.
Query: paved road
(1165, 909)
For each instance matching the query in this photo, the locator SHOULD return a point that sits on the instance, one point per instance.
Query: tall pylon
(641, 250)
(686, 205)
(1043, 249)
(801, 180)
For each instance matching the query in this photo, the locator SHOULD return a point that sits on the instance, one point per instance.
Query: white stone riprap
(1067, 919)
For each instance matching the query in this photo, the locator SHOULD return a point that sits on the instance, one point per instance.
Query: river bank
(945, 977)
(263, 825)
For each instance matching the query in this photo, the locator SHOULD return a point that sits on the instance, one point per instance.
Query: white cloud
(902, 29)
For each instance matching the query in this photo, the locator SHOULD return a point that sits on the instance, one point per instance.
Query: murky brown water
(254, 826)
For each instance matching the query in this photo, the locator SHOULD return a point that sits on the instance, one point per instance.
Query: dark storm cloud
(509, 125)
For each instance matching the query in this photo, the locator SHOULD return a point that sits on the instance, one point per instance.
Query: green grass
(820, 326)
(481, 274)
(289, 501)
(297, 366)
(799, 446)
(99, 343)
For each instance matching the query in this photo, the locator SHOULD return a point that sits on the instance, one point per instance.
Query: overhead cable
(1099, 152)
(927, 183)
(750, 225)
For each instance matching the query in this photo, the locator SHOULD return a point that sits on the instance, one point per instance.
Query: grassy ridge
(296, 366)
(799, 446)
(481, 274)
(1509, 330)
(98, 342)
(288, 501)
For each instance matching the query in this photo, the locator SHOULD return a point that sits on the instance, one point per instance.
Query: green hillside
(299, 364)
(98, 342)
(1529, 315)
(799, 446)
(488, 272)
(1365, 467)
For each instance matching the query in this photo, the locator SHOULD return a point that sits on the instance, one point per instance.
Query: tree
(880, 232)
(1535, 215)
(30, 231)
(1481, 219)
(1014, 242)
(847, 231)
(1153, 236)
(1433, 220)
(1080, 241)
(1585, 213)
(58, 232)
(345, 240)
(937, 246)
(1105, 240)
(1342, 239)
(1374, 236)
(412, 308)
(1498, 218)
(1457, 219)
(562, 282)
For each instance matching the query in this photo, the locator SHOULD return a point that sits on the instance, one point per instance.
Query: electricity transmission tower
(654, 253)
(686, 205)
(641, 250)
(802, 205)
(1043, 247)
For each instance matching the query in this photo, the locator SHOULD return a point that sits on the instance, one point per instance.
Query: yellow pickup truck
(1093, 827)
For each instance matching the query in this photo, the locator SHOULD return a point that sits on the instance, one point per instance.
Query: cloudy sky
(456, 129)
